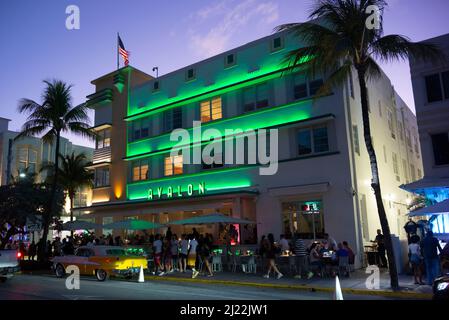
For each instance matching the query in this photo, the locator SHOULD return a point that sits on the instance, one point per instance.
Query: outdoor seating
(217, 264)
(249, 266)
(343, 266)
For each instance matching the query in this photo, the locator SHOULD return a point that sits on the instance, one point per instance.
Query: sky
(37, 46)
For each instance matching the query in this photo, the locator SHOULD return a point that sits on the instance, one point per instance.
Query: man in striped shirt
(300, 251)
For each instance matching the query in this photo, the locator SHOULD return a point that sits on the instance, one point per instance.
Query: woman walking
(416, 258)
(270, 253)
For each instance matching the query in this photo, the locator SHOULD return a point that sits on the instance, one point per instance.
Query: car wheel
(101, 275)
(60, 271)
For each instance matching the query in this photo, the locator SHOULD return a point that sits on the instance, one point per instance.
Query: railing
(102, 155)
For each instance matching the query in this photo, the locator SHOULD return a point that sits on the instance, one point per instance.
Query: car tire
(101, 275)
(60, 271)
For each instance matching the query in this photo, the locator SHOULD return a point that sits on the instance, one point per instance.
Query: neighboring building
(431, 91)
(27, 155)
(323, 178)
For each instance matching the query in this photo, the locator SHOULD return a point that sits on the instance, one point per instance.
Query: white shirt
(193, 245)
(184, 246)
(158, 246)
(284, 244)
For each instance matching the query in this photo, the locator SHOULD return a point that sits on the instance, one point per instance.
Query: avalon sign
(177, 191)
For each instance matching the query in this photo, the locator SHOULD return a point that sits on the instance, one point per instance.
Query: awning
(132, 224)
(79, 225)
(438, 208)
(426, 183)
(211, 218)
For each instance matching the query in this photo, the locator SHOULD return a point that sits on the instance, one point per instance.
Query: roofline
(5, 119)
(115, 71)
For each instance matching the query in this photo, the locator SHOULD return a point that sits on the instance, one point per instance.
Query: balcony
(101, 157)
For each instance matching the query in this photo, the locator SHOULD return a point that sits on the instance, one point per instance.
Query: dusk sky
(169, 34)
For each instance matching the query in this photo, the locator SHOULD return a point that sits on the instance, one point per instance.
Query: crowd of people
(309, 261)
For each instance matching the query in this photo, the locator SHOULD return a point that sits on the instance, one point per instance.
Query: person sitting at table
(351, 254)
(315, 257)
(285, 246)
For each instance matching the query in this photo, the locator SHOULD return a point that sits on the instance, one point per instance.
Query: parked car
(101, 261)
(9, 263)
(441, 288)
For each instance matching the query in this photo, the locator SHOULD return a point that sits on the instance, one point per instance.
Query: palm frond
(82, 129)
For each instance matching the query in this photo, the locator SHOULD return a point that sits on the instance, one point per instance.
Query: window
(140, 170)
(216, 159)
(255, 97)
(277, 44)
(400, 130)
(355, 132)
(314, 86)
(211, 110)
(156, 86)
(101, 177)
(433, 88)
(419, 174)
(173, 165)
(80, 199)
(395, 166)
(104, 138)
(312, 141)
(190, 74)
(230, 60)
(405, 168)
(416, 144)
(304, 217)
(391, 123)
(27, 160)
(140, 129)
(173, 119)
(299, 87)
(412, 171)
(440, 143)
(408, 138)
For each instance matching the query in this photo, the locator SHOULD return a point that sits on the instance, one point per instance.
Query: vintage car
(101, 261)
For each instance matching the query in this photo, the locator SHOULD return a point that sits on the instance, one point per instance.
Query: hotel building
(323, 179)
(431, 92)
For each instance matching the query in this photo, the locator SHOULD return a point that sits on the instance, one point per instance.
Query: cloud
(226, 19)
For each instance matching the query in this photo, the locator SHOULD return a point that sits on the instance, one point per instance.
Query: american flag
(124, 53)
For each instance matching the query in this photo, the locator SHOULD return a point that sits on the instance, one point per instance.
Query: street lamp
(22, 175)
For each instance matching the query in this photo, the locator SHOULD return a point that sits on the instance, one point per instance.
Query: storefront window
(306, 217)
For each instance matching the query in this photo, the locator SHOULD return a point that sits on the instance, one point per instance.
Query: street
(38, 287)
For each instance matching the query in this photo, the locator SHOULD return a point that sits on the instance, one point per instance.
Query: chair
(250, 266)
(343, 265)
(235, 262)
(216, 264)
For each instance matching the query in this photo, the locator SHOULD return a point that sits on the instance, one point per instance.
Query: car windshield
(116, 252)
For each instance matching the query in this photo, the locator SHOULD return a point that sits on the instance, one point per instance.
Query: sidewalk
(353, 285)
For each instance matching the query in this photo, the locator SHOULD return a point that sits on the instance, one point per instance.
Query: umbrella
(212, 218)
(132, 224)
(438, 208)
(80, 225)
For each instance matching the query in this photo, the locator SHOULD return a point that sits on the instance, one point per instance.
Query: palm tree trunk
(72, 197)
(46, 217)
(375, 183)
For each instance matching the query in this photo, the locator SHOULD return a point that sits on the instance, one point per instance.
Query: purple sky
(168, 34)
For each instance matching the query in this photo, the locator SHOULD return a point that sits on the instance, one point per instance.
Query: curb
(385, 293)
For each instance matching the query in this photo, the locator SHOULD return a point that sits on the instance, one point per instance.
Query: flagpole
(117, 52)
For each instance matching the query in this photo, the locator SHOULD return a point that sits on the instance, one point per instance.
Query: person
(191, 260)
(351, 254)
(183, 254)
(415, 257)
(285, 246)
(195, 234)
(168, 234)
(32, 251)
(270, 252)
(57, 247)
(174, 252)
(48, 249)
(157, 254)
(315, 258)
(380, 240)
(331, 242)
(430, 245)
(299, 248)
(166, 253)
(204, 252)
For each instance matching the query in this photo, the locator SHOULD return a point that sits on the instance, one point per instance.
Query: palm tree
(54, 116)
(72, 175)
(336, 40)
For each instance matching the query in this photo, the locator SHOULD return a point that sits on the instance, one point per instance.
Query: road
(43, 287)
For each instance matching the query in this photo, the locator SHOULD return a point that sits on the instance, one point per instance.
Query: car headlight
(442, 286)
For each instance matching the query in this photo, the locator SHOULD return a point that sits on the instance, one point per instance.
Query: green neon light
(213, 182)
(270, 117)
(194, 91)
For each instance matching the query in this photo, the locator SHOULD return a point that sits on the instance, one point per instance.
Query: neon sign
(176, 191)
